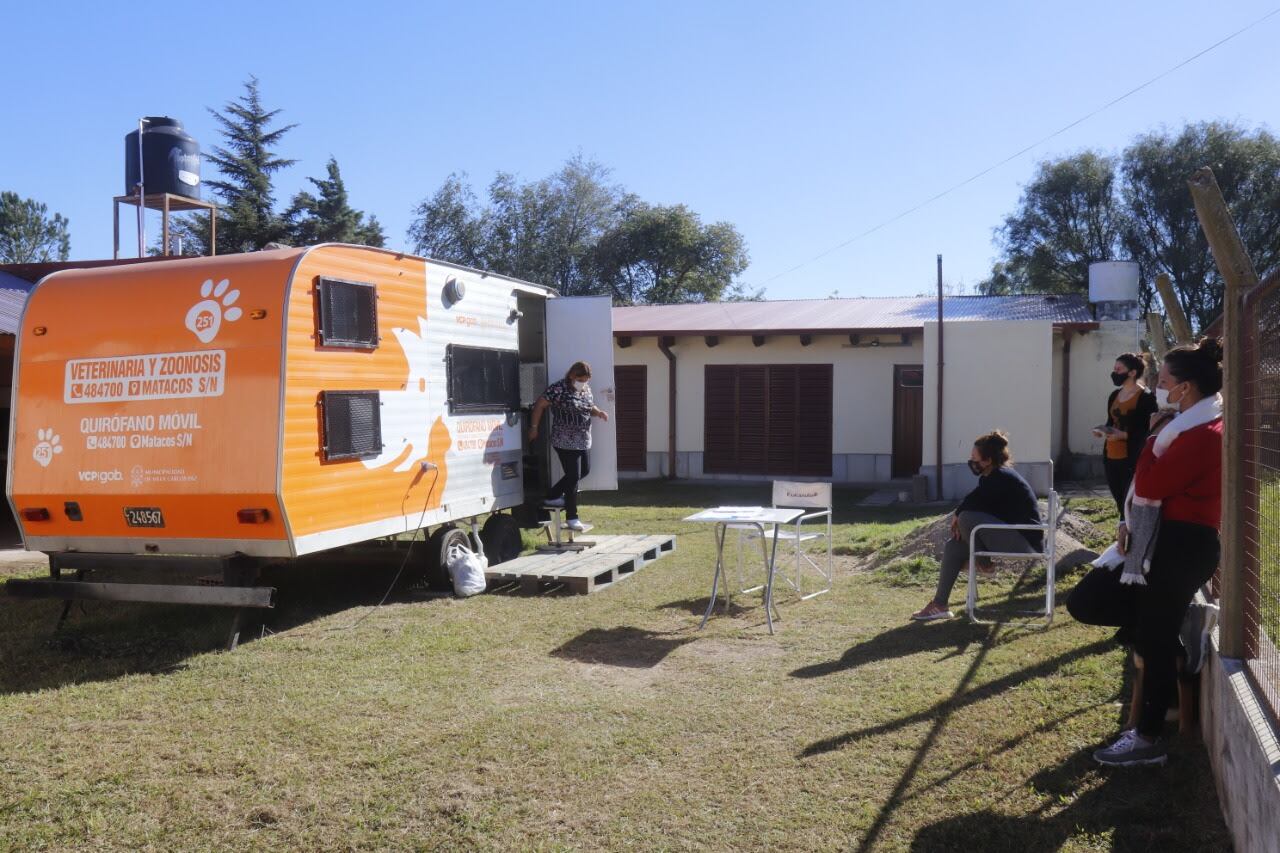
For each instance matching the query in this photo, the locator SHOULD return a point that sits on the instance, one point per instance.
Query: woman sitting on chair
(1001, 497)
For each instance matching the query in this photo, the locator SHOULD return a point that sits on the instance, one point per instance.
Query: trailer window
(348, 313)
(483, 380)
(352, 424)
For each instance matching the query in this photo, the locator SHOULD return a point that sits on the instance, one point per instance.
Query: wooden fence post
(1239, 277)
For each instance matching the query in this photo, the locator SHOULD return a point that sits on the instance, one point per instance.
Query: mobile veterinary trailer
(245, 409)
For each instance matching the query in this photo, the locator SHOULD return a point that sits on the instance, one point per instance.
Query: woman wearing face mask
(572, 408)
(1129, 411)
(1172, 536)
(1001, 497)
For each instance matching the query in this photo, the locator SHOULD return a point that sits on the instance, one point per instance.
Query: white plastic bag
(1110, 558)
(466, 569)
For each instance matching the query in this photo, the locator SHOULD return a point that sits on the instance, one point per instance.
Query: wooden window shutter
(772, 420)
(813, 425)
(632, 383)
(720, 419)
(753, 420)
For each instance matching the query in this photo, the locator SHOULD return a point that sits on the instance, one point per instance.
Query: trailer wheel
(501, 538)
(438, 545)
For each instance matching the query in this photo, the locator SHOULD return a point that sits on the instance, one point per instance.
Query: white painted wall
(995, 378)
(1093, 354)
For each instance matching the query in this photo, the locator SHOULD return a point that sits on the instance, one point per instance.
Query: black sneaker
(1132, 750)
(1197, 624)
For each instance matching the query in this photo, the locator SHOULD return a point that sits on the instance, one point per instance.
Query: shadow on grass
(686, 495)
(1150, 808)
(939, 714)
(698, 606)
(101, 641)
(623, 646)
(954, 635)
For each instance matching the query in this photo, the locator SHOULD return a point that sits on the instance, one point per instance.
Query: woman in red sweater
(1179, 473)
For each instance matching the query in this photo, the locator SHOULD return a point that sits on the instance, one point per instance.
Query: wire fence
(1260, 486)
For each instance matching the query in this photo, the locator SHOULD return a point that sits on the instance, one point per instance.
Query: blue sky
(802, 123)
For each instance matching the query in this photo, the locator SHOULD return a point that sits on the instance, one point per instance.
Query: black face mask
(1119, 378)
(976, 468)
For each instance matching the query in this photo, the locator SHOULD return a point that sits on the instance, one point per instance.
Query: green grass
(599, 722)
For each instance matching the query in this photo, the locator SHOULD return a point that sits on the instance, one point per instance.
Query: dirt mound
(929, 540)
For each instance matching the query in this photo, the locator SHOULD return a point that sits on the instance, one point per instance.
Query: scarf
(1142, 515)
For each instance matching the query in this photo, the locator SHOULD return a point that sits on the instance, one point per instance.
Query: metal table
(757, 517)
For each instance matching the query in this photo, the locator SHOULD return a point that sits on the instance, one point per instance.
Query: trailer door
(580, 328)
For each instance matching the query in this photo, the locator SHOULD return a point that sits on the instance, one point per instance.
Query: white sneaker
(575, 524)
(1132, 749)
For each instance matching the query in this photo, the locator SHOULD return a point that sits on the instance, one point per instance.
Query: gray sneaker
(1197, 625)
(1132, 750)
(557, 503)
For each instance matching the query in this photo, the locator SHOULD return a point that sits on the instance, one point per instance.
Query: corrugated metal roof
(11, 302)
(842, 315)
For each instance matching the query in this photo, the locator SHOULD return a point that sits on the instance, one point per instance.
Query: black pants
(1119, 475)
(576, 465)
(1185, 558)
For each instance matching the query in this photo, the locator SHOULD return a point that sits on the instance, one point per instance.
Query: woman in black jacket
(1129, 411)
(1001, 497)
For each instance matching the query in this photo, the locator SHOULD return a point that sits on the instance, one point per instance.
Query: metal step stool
(559, 535)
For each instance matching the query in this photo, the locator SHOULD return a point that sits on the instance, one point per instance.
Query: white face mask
(1162, 398)
(581, 386)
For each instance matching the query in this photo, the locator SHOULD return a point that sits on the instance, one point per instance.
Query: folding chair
(815, 496)
(1047, 552)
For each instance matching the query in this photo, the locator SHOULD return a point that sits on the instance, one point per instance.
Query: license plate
(143, 516)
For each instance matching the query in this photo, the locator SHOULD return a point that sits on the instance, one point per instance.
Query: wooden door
(908, 419)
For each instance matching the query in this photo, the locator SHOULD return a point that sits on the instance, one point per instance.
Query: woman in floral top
(572, 408)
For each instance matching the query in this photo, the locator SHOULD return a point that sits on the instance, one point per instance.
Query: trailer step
(609, 560)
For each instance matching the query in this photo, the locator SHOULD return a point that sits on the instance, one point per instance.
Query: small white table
(753, 516)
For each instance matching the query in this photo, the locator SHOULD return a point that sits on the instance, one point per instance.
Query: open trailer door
(580, 328)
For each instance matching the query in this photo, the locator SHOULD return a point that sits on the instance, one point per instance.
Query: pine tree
(28, 234)
(328, 217)
(247, 220)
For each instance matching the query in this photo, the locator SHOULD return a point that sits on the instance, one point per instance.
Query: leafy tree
(1163, 233)
(450, 226)
(1089, 207)
(542, 231)
(579, 233)
(665, 254)
(247, 220)
(1068, 217)
(328, 217)
(28, 234)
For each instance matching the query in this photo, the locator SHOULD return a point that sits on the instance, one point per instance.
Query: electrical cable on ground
(1021, 151)
(407, 554)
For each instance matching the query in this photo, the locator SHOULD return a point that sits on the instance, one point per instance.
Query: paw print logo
(48, 445)
(206, 316)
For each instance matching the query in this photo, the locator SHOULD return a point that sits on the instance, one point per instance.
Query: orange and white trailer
(244, 409)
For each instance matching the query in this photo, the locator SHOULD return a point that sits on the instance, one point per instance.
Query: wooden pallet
(609, 560)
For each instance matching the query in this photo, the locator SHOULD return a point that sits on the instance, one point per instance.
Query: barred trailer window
(483, 380)
(352, 424)
(348, 313)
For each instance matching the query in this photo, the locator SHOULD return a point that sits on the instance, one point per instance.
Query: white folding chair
(814, 496)
(1048, 553)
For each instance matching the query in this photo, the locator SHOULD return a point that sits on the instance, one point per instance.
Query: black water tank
(170, 156)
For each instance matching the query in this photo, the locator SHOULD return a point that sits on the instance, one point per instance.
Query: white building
(847, 389)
